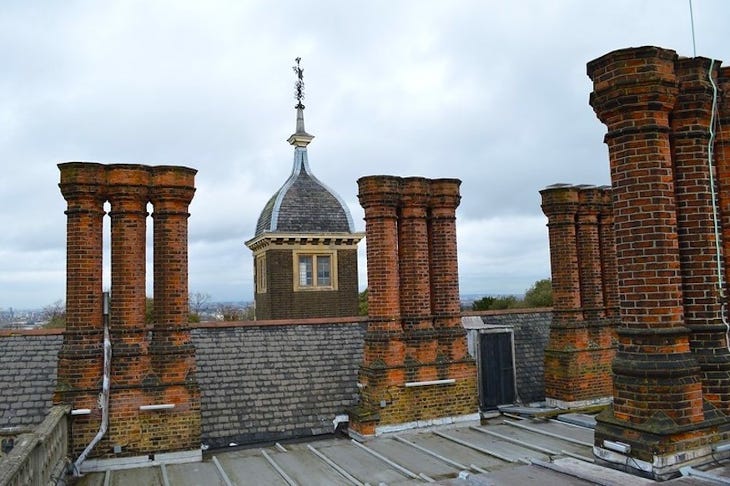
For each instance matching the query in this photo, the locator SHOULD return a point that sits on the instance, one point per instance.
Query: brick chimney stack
(80, 360)
(560, 204)
(150, 366)
(445, 304)
(445, 299)
(415, 368)
(127, 191)
(171, 349)
(608, 256)
(722, 157)
(414, 270)
(415, 284)
(671, 368)
(702, 286)
(384, 345)
(589, 253)
(580, 348)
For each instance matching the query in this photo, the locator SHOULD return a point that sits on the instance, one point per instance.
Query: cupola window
(315, 271)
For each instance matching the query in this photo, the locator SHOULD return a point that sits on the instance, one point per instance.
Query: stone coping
(498, 312)
(31, 332)
(279, 322)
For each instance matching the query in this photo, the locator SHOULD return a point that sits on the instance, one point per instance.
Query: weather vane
(299, 86)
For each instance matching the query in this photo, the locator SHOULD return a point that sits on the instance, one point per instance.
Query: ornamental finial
(299, 85)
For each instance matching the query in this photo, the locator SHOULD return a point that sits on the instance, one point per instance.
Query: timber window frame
(261, 273)
(314, 270)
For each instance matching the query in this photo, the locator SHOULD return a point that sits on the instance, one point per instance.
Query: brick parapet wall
(656, 108)
(137, 379)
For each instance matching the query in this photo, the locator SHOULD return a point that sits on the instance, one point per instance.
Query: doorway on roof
(497, 368)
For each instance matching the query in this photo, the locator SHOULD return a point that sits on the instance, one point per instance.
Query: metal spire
(300, 138)
(299, 85)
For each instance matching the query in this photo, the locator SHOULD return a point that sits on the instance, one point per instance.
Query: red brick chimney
(127, 190)
(413, 264)
(670, 361)
(580, 349)
(415, 280)
(589, 253)
(171, 348)
(384, 346)
(701, 258)
(145, 371)
(415, 368)
(80, 360)
(608, 257)
(445, 299)
(722, 157)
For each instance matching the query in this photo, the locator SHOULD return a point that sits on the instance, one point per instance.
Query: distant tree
(149, 310)
(485, 303)
(497, 303)
(54, 315)
(540, 294)
(362, 303)
(198, 302)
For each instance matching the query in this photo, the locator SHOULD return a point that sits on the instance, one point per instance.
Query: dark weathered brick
(149, 368)
(658, 109)
(414, 332)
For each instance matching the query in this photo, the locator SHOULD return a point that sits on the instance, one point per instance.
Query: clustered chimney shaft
(414, 331)
(583, 262)
(671, 372)
(146, 370)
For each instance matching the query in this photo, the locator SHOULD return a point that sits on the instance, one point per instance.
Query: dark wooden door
(497, 370)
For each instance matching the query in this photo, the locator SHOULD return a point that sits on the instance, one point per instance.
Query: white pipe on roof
(450, 381)
(161, 406)
(104, 396)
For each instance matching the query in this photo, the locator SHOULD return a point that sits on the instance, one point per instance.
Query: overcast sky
(493, 93)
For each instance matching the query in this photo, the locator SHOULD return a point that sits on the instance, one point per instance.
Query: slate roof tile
(257, 383)
(289, 379)
(27, 378)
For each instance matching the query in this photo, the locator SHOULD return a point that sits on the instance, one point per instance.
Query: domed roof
(304, 204)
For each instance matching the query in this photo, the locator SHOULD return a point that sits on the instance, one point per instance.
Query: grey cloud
(494, 93)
